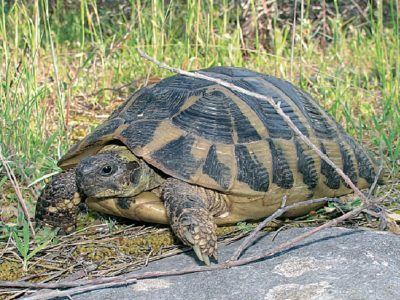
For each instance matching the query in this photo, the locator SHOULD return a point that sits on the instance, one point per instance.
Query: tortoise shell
(200, 132)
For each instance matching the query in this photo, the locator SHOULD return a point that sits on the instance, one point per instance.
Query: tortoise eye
(107, 170)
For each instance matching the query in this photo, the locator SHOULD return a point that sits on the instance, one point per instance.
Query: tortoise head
(117, 173)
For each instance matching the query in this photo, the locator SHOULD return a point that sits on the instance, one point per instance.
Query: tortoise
(193, 154)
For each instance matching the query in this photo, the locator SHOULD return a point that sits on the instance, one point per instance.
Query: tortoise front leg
(59, 203)
(191, 210)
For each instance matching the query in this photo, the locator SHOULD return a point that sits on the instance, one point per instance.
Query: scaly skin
(191, 210)
(60, 203)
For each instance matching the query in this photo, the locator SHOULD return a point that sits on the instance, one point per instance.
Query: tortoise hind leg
(59, 203)
(191, 211)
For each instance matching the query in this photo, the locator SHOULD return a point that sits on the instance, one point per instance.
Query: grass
(65, 67)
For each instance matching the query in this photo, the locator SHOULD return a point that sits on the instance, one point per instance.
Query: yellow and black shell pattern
(209, 135)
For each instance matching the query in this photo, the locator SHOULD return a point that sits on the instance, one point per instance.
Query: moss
(137, 247)
(11, 270)
(142, 245)
(224, 230)
(87, 219)
(94, 252)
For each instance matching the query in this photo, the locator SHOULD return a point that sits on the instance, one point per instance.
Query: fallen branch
(42, 295)
(272, 217)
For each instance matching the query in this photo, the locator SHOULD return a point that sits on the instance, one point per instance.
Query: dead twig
(272, 217)
(67, 293)
(301, 237)
(14, 182)
(372, 188)
(278, 231)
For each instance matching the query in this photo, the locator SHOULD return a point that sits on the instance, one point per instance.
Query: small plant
(245, 227)
(22, 239)
(110, 225)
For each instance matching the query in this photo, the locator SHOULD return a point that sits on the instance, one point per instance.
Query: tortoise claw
(190, 239)
(197, 250)
(198, 231)
(201, 256)
(206, 260)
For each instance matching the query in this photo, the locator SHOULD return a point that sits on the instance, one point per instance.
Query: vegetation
(64, 67)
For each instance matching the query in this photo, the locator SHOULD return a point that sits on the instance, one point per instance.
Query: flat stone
(336, 263)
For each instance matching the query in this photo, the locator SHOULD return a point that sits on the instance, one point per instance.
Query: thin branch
(361, 11)
(272, 217)
(276, 106)
(378, 174)
(14, 182)
(42, 295)
(299, 238)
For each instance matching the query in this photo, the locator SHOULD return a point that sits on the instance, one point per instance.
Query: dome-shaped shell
(209, 135)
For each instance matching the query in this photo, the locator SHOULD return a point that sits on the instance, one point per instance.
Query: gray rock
(336, 263)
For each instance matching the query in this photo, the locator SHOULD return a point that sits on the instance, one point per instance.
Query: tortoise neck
(155, 179)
